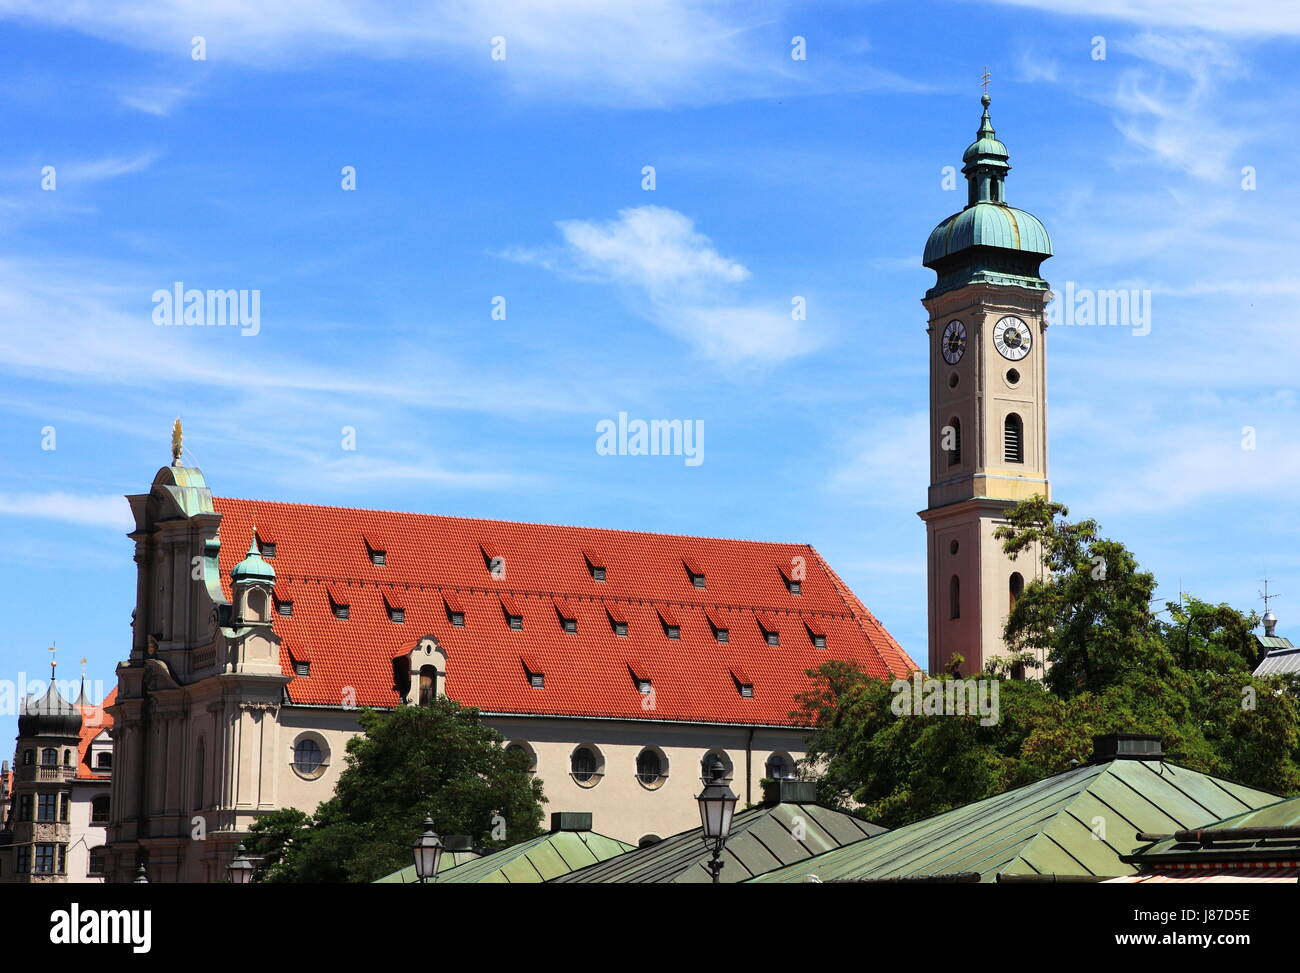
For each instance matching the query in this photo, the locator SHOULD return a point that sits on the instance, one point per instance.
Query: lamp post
(717, 806)
(428, 853)
(241, 869)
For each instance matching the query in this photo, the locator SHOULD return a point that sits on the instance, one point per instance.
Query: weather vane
(985, 78)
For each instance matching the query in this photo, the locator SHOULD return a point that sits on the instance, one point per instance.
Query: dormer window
(340, 611)
(533, 670)
(379, 557)
(395, 607)
(514, 617)
(267, 549)
(767, 626)
(694, 572)
(672, 628)
(721, 632)
(643, 686)
(302, 668)
(640, 678)
(265, 542)
(568, 618)
(493, 560)
(793, 584)
(455, 613)
(376, 548)
(595, 565)
(284, 608)
(817, 633)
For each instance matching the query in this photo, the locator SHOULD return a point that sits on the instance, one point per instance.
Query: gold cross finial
(985, 78)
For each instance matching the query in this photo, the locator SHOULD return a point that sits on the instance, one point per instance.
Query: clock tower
(988, 406)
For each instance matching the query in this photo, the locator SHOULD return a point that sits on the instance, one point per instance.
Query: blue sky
(522, 178)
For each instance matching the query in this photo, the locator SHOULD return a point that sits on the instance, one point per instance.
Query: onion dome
(253, 567)
(49, 716)
(988, 241)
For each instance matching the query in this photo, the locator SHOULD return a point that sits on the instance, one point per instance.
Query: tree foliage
(1115, 665)
(439, 761)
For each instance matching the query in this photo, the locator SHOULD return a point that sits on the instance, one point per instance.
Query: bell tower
(988, 406)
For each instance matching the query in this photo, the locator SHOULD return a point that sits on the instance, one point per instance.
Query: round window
(309, 757)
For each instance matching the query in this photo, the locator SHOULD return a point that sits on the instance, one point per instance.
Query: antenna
(1264, 595)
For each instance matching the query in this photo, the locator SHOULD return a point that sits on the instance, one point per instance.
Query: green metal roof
(252, 567)
(1171, 853)
(987, 225)
(539, 859)
(762, 838)
(1043, 828)
(450, 860)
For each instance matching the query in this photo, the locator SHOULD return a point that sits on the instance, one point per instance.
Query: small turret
(252, 581)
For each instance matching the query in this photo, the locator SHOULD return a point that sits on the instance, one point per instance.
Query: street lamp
(717, 806)
(428, 853)
(241, 869)
(141, 876)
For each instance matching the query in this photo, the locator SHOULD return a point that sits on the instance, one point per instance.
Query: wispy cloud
(1267, 17)
(678, 280)
(88, 510)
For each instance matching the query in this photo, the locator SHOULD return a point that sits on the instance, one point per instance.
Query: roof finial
(53, 662)
(984, 80)
(177, 444)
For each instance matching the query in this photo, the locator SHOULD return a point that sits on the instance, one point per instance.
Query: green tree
(1115, 665)
(439, 761)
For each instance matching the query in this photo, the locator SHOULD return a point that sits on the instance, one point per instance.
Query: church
(618, 661)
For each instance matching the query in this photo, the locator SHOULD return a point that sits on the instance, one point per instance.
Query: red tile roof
(94, 721)
(435, 561)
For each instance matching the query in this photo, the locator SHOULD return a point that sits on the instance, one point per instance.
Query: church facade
(988, 407)
(617, 661)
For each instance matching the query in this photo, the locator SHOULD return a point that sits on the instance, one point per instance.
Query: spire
(985, 162)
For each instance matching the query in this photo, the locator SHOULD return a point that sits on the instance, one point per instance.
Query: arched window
(954, 454)
(428, 685)
(306, 756)
(49, 757)
(1013, 439)
(198, 777)
(954, 597)
(104, 760)
(99, 809)
(649, 766)
(67, 758)
(707, 761)
(583, 764)
(647, 840)
(779, 767)
(1015, 587)
(96, 864)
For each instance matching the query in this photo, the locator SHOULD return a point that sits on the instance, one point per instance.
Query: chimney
(571, 821)
(1126, 746)
(457, 842)
(1270, 625)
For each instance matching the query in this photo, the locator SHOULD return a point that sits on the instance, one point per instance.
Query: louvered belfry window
(1013, 440)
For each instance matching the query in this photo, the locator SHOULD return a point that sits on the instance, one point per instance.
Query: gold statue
(177, 435)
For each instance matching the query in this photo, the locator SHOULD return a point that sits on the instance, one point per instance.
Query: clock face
(1012, 338)
(953, 342)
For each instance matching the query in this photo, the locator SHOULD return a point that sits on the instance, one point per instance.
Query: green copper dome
(988, 241)
(252, 567)
(987, 225)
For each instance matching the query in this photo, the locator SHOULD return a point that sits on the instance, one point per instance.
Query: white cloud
(1267, 17)
(679, 281)
(94, 511)
(647, 52)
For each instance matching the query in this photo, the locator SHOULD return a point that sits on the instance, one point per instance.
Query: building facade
(988, 407)
(57, 799)
(618, 661)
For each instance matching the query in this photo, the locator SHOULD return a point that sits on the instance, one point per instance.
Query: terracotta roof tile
(94, 721)
(438, 563)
